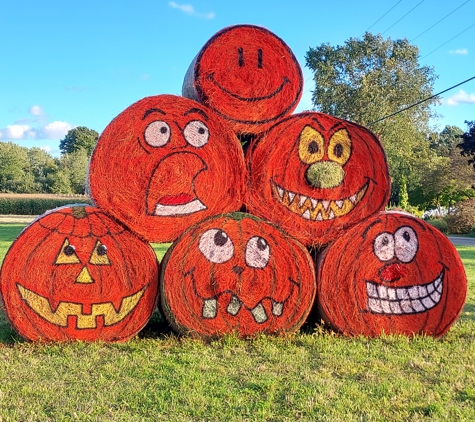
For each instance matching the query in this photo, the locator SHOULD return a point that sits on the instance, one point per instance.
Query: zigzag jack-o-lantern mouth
(316, 209)
(41, 306)
(404, 300)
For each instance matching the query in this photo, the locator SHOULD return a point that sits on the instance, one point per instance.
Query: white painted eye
(383, 246)
(257, 252)
(196, 133)
(157, 133)
(216, 246)
(406, 244)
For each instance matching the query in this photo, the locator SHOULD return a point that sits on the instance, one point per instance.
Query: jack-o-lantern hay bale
(316, 175)
(392, 273)
(248, 75)
(235, 273)
(165, 163)
(75, 273)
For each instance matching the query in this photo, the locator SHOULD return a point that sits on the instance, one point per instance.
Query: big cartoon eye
(67, 254)
(157, 133)
(196, 133)
(257, 252)
(99, 255)
(406, 244)
(383, 246)
(216, 246)
(311, 145)
(339, 147)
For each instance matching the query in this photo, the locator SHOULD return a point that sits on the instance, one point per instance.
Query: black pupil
(261, 244)
(163, 129)
(201, 130)
(312, 147)
(69, 250)
(220, 238)
(406, 236)
(101, 250)
(385, 241)
(338, 150)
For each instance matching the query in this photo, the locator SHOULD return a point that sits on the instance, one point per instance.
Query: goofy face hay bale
(247, 75)
(165, 163)
(315, 176)
(393, 273)
(77, 274)
(236, 273)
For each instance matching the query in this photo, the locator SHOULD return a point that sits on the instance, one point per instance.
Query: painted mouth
(41, 306)
(404, 300)
(316, 209)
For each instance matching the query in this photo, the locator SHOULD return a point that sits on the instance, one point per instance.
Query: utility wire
(422, 1)
(440, 46)
(383, 15)
(420, 102)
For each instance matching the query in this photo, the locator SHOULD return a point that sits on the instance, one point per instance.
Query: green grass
(314, 375)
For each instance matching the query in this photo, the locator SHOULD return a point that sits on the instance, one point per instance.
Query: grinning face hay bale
(236, 273)
(392, 273)
(165, 163)
(248, 75)
(316, 175)
(75, 273)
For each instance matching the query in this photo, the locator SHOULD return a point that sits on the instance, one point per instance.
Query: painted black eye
(313, 147)
(157, 134)
(196, 133)
(338, 150)
(257, 252)
(102, 250)
(407, 244)
(216, 246)
(69, 250)
(383, 246)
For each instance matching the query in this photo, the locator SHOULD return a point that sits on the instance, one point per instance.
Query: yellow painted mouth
(59, 317)
(317, 209)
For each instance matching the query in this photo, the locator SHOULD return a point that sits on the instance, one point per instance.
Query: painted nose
(84, 277)
(392, 272)
(325, 174)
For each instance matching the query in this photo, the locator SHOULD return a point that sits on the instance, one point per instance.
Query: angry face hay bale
(75, 273)
(316, 175)
(165, 163)
(248, 75)
(236, 273)
(392, 273)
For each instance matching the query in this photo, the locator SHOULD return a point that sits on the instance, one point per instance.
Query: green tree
(79, 138)
(42, 168)
(467, 145)
(13, 167)
(72, 172)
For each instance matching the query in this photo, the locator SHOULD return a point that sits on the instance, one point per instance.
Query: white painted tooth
(302, 200)
(280, 191)
(402, 293)
(413, 292)
(340, 203)
(307, 215)
(319, 216)
(392, 294)
(259, 314)
(374, 305)
(234, 306)
(439, 286)
(325, 205)
(331, 215)
(436, 297)
(422, 291)
(277, 308)
(383, 292)
(385, 306)
(430, 288)
(428, 302)
(210, 307)
(353, 198)
(395, 308)
(372, 290)
(417, 306)
(406, 307)
(314, 202)
(291, 197)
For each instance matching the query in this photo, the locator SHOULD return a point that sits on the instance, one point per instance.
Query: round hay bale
(392, 273)
(165, 163)
(235, 273)
(316, 175)
(248, 75)
(74, 273)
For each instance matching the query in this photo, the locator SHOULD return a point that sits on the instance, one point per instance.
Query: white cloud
(36, 111)
(190, 10)
(461, 98)
(56, 130)
(461, 51)
(15, 132)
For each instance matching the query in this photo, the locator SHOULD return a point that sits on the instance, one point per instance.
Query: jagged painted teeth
(210, 308)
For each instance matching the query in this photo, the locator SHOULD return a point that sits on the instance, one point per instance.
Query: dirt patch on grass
(16, 219)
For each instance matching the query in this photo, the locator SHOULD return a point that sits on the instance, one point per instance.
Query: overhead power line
(383, 15)
(420, 102)
(422, 1)
(440, 46)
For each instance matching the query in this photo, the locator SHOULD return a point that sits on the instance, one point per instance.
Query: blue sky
(80, 63)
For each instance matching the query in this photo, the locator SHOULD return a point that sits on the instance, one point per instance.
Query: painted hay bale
(248, 75)
(235, 273)
(165, 163)
(74, 273)
(392, 273)
(316, 175)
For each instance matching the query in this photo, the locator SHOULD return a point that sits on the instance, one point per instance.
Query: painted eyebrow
(152, 110)
(196, 110)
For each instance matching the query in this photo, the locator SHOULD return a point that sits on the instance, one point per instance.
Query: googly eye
(407, 243)
(383, 246)
(216, 246)
(196, 133)
(257, 252)
(157, 133)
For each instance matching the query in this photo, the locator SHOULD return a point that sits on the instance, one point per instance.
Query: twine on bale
(316, 175)
(393, 274)
(165, 163)
(235, 273)
(76, 274)
(248, 75)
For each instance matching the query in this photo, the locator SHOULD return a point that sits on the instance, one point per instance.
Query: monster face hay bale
(392, 273)
(75, 273)
(247, 75)
(315, 176)
(165, 163)
(236, 273)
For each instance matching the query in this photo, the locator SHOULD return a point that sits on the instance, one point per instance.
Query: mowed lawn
(314, 375)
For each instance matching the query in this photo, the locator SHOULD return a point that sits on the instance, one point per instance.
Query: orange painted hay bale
(392, 273)
(165, 163)
(316, 175)
(236, 273)
(74, 273)
(248, 75)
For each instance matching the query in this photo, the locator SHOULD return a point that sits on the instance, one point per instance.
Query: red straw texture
(392, 273)
(248, 75)
(316, 175)
(165, 163)
(236, 273)
(76, 274)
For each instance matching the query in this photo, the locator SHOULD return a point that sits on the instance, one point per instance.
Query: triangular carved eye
(67, 254)
(99, 255)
